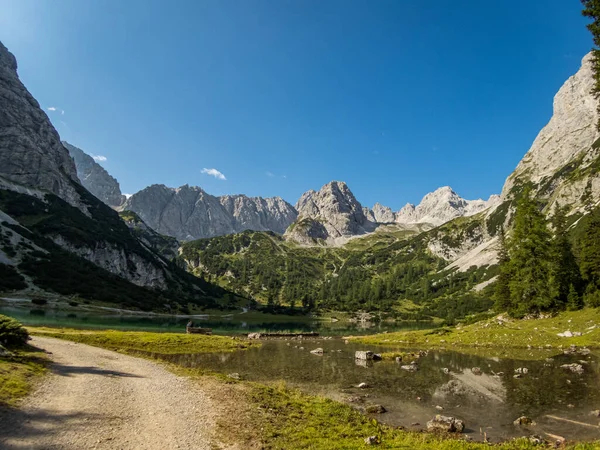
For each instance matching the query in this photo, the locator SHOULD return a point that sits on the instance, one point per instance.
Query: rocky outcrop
(31, 153)
(95, 178)
(189, 213)
(570, 137)
(332, 213)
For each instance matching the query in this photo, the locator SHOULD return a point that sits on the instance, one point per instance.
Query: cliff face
(95, 178)
(30, 149)
(189, 213)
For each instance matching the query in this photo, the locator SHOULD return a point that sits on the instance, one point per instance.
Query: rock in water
(446, 423)
(368, 356)
(375, 409)
(523, 420)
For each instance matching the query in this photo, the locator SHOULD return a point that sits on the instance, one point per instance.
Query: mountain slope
(188, 212)
(55, 235)
(329, 216)
(95, 178)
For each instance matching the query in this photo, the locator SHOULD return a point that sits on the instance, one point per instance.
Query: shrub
(12, 332)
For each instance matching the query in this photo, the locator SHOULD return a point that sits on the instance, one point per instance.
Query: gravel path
(96, 398)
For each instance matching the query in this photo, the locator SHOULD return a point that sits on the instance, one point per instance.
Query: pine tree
(564, 269)
(574, 301)
(502, 291)
(529, 259)
(590, 253)
(591, 9)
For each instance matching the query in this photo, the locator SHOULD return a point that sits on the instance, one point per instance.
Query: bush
(12, 332)
(592, 299)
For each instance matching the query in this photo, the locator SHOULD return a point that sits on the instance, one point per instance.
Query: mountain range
(329, 216)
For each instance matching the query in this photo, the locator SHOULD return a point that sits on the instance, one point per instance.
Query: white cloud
(99, 158)
(214, 172)
(269, 174)
(127, 195)
(55, 109)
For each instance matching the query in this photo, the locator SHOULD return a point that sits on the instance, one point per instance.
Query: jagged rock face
(441, 206)
(30, 149)
(335, 211)
(189, 213)
(95, 178)
(569, 135)
(383, 214)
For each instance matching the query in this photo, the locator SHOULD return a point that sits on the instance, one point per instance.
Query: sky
(276, 97)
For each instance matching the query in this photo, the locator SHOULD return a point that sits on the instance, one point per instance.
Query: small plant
(12, 332)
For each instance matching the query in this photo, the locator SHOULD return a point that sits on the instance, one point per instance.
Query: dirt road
(96, 398)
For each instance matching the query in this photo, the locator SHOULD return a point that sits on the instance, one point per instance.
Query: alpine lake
(485, 390)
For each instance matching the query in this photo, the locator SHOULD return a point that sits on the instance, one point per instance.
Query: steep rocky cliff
(188, 212)
(95, 178)
(30, 149)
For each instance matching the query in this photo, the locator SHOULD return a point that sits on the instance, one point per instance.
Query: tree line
(539, 270)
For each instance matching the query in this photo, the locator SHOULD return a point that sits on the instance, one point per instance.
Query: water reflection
(445, 382)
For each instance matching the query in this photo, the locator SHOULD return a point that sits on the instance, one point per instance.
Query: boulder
(567, 334)
(317, 351)
(366, 356)
(476, 371)
(377, 357)
(4, 352)
(372, 440)
(410, 367)
(363, 386)
(574, 367)
(446, 423)
(253, 335)
(375, 409)
(523, 420)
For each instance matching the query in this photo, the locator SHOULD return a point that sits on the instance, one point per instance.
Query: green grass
(18, 374)
(146, 342)
(289, 419)
(511, 335)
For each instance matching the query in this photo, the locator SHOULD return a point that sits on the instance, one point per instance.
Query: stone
(595, 413)
(446, 423)
(523, 370)
(365, 355)
(446, 370)
(254, 335)
(476, 371)
(523, 420)
(410, 367)
(375, 409)
(317, 351)
(573, 367)
(372, 440)
(567, 334)
(5, 353)
(363, 386)
(398, 359)
(234, 376)
(377, 357)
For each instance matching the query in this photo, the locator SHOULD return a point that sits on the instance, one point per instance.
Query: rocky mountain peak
(189, 212)
(31, 153)
(570, 133)
(95, 178)
(334, 210)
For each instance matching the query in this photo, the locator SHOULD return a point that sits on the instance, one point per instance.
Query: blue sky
(394, 97)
